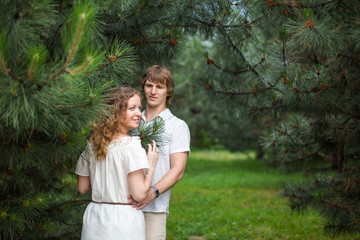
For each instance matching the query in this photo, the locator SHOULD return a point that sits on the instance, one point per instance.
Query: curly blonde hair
(110, 122)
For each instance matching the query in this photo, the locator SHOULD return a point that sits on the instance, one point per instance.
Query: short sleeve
(180, 139)
(136, 159)
(83, 164)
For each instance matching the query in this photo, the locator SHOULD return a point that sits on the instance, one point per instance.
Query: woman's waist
(108, 198)
(111, 202)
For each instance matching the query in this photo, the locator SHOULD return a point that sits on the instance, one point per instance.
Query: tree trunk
(259, 152)
(338, 158)
(193, 135)
(273, 158)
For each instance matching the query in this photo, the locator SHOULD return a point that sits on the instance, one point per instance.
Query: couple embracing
(131, 188)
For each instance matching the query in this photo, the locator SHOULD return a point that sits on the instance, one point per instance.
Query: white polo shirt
(178, 140)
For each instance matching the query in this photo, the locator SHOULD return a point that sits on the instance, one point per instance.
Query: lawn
(228, 196)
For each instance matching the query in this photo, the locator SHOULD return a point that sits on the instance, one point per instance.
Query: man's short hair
(160, 74)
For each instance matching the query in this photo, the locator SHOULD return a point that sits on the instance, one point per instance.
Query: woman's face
(132, 113)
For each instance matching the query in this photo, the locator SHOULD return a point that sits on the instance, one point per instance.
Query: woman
(113, 167)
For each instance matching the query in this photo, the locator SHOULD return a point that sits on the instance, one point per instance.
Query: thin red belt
(113, 203)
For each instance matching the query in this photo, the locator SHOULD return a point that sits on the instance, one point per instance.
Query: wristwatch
(156, 191)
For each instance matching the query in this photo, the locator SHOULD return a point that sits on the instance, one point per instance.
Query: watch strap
(156, 191)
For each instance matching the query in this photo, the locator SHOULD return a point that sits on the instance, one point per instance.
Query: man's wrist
(156, 191)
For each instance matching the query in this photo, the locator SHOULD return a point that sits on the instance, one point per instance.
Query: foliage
(293, 61)
(212, 126)
(344, 200)
(57, 59)
(147, 25)
(50, 92)
(151, 131)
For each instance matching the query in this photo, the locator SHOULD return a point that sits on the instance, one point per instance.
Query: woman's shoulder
(126, 146)
(125, 142)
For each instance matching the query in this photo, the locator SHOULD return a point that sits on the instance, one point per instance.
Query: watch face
(157, 193)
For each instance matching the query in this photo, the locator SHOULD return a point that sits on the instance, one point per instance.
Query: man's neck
(153, 112)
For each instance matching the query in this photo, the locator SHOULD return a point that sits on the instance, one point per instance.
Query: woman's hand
(153, 154)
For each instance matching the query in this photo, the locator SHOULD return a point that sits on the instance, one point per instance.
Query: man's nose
(153, 90)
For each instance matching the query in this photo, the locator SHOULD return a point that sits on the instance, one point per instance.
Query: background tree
(297, 61)
(57, 59)
(212, 126)
(55, 68)
(148, 25)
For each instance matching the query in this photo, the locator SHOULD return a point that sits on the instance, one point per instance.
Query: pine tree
(296, 61)
(56, 65)
(212, 126)
(149, 26)
(57, 60)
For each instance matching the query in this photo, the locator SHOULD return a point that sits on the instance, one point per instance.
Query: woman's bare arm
(84, 184)
(140, 184)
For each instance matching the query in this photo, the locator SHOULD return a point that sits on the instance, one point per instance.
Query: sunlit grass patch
(221, 155)
(234, 196)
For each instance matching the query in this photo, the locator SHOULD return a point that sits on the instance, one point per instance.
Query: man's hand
(140, 205)
(131, 200)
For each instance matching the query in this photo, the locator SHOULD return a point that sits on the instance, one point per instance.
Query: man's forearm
(178, 164)
(169, 180)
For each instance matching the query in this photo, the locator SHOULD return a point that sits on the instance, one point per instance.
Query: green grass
(228, 196)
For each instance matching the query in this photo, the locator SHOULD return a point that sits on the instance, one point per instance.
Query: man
(158, 88)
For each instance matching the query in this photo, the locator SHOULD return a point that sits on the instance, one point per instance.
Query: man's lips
(152, 98)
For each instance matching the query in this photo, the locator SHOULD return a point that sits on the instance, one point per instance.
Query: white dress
(108, 179)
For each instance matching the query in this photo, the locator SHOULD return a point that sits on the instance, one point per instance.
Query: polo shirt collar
(166, 114)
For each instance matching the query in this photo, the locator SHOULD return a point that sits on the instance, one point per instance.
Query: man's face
(155, 94)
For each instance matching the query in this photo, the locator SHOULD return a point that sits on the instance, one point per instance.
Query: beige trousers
(155, 225)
